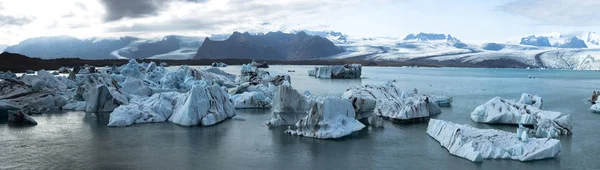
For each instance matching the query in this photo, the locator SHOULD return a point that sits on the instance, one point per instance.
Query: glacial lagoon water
(76, 140)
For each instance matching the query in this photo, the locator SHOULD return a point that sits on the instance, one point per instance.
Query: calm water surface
(76, 140)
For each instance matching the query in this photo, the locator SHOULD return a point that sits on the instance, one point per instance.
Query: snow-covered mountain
(2, 47)
(168, 47)
(572, 40)
(546, 51)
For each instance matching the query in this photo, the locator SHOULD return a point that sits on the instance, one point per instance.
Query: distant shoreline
(20, 63)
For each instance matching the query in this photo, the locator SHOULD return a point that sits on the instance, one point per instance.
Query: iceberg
(394, 104)
(251, 100)
(477, 144)
(35, 93)
(253, 79)
(6, 106)
(347, 71)
(7, 75)
(132, 69)
(530, 99)
(75, 105)
(205, 105)
(134, 86)
(289, 106)
(20, 117)
(328, 118)
(101, 99)
(502, 111)
(218, 64)
(64, 70)
(157, 108)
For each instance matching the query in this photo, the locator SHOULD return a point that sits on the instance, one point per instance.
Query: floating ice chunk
(7, 75)
(132, 69)
(478, 144)
(238, 118)
(76, 105)
(151, 67)
(157, 108)
(362, 102)
(206, 105)
(6, 105)
(101, 99)
(289, 106)
(502, 111)
(348, 71)
(219, 64)
(442, 101)
(251, 100)
(64, 70)
(134, 86)
(20, 117)
(328, 118)
(530, 99)
(392, 103)
(595, 108)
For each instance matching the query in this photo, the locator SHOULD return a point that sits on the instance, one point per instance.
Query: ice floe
(478, 144)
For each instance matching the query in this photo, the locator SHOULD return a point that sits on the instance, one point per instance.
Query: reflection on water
(76, 140)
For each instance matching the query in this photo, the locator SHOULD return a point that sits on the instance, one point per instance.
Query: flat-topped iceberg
(393, 103)
(347, 71)
(289, 106)
(478, 144)
(329, 117)
(530, 99)
(36, 94)
(502, 111)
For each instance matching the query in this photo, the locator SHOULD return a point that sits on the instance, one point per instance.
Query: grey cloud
(556, 12)
(118, 9)
(6, 20)
(189, 24)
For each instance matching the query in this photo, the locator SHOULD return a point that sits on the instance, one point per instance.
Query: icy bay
(76, 140)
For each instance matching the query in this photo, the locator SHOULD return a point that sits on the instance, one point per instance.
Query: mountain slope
(270, 46)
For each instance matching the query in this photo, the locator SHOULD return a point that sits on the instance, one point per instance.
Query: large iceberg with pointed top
(205, 105)
(479, 144)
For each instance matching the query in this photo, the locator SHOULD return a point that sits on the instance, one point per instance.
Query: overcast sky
(469, 20)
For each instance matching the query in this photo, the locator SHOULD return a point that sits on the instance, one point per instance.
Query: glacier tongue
(478, 144)
(329, 117)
